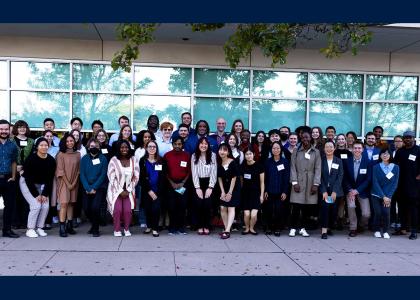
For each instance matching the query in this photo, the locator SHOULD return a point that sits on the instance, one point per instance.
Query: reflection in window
(157, 80)
(279, 84)
(394, 118)
(268, 114)
(4, 106)
(3, 75)
(210, 109)
(105, 107)
(34, 107)
(221, 82)
(381, 87)
(336, 86)
(40, 75)
(167, 108)
(344, 116)
(100, 78)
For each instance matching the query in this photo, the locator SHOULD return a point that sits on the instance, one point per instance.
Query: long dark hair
(118, 149)
(207, 125)
(78, 144)
(232, 130)
(271, 148)
(130, 138)
(230, 155)
(197, 151)
(158, 158)
(236, 139)
(62, 145)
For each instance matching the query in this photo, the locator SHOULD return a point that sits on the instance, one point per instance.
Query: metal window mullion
(363, 107)
(418, 109)
(71, 90)
(192, 97)
(308, 96)
(8, 89)
(251, 86)
(133, 72)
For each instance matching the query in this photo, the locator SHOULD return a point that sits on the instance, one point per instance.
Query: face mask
(94, 151)
(284, 136)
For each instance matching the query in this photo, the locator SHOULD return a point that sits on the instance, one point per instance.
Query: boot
(63, 232)
(69, 227)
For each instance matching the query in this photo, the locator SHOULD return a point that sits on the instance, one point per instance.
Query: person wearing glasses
(164, 142)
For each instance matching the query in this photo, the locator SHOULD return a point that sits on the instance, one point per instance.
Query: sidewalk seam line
(48, 260)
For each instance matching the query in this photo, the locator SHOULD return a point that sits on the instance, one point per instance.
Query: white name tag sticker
(280, 167)
(247, 176)
(389, 175)
(96, 161)
(412, 157)
(335, 166)
(132, 147)
(23, 143)
(183, 164)
(343, 156)
(375, 157)
(363, 171)
(307, 156)
(158, 167)
(235, 155)
(104, 151)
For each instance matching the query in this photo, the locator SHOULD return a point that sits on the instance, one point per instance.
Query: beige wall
(204, 55)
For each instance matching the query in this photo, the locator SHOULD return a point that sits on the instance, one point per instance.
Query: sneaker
(303, 232)
(143, 225)
(117, 233)
(31, 233)
(55, 220)
(386, 235)
(378, 234)
(41, 232)
(393, 225)
(182, 231)
(292, 232)
(127, 233)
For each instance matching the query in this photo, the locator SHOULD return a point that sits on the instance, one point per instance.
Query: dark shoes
(62, 231)
(324, 236)
(10, 234)
(69, 227)
(353, 233)
(277, 233)
(413, 236)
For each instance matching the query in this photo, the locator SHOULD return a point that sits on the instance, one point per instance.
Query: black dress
(227, 175)
(251, 186)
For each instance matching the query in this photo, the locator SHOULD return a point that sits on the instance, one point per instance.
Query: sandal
(225, 235)
(253, 232)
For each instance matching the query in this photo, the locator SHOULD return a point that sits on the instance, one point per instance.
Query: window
(336, 86)
(279, 84)
(4, 105)
(157, 80)
(102, 78)
(381, 87)
(221, 82)
(3, 74)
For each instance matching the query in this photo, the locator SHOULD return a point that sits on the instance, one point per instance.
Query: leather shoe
(10, 234)
(413, 236)
(352, 233)
(324, 236)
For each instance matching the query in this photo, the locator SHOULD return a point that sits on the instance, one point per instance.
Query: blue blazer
(372, 161)
(362, 182)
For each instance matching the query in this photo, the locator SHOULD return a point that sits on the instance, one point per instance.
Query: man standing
(330, 133)
(220, 135)
(408, 159)
(378, 131)
(49, 124)
(122, 121)
(8, 157)
(371, 152)
(186, 119)
(284, 136)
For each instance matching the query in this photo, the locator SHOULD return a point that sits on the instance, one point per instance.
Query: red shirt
(178, 165)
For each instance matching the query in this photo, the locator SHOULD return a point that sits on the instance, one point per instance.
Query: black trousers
(8, 192)
(202, 207)
(274, 212)
(297, 211)
(152, 210)
(92, 206)
(176, 206)
(328, 214)
(414, 207)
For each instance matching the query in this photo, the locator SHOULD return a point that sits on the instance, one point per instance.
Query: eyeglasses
(167, 129)
(151, 147)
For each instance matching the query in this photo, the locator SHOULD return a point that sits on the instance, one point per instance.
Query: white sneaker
(41, 232)
(117, 233)
(378, 234)
(31, 233)
(292, 232)
(127, 233)
(386, 235)
(303, 232)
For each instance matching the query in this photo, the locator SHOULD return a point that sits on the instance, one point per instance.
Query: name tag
(389, 175)
(183, 164)
(343, 156)
(375, 157)
(23, 143)
(363, 171)
(158, 167)
(280, 167)
(132, 147)
(96, 161)
(235, 155)
(335, 166)
(307, 156)
(104, 151)
(247, 176)
(412, 157)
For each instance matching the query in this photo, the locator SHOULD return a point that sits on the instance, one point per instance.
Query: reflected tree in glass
(279, 84)
(161, 80)
(336, 86)
(221, 82)
(100, 78)
(383, 87)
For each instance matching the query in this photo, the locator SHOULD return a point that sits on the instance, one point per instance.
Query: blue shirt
(153, 175)
(8, 155)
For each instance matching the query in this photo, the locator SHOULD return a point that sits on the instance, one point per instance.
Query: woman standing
(305, 176)
(263, 147)
(102, 137)
(123, 175)
(229, 183)
(93, 168)
(36, 186)
(317, 138)
(67, 173)
(126, 134)
(152, 180)
(277, 174)
(204, 174)
(252, 178)
(237, 127)
(233, 142)
(293, 141)
(79, 146)
(52, 149)
(351, 137)
(384, 183)
(331, 187)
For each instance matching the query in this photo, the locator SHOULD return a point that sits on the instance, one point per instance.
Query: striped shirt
(202, 170)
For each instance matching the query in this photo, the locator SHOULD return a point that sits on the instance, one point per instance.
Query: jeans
(8, 192)
(381, 214)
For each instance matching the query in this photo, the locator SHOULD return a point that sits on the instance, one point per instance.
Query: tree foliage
(274, 40)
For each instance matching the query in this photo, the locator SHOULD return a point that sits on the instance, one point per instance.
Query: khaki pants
(364, 207)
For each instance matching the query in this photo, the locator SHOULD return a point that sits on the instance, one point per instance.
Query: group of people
(188, 177)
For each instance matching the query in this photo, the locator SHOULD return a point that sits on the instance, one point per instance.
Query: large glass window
(394, 118)
(159, 80)
(3, 74)
(34, 107)
(167, 108)
(210, 109)
(381, 87)
(268, 114)
(30, 75)
(105, 107)
(4, 105)
(221, 82)
(89, 77)
(279, 84)
(344, 116)
(336, 86)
